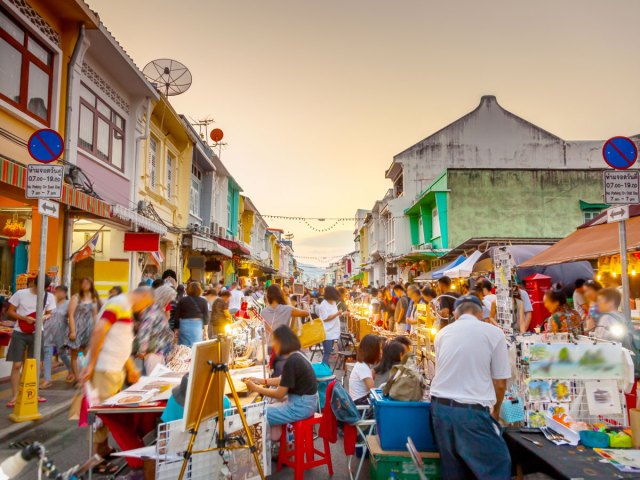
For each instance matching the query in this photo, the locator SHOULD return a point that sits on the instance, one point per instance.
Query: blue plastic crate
(398, 420)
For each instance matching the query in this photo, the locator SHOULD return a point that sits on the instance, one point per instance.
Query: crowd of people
(112, 342)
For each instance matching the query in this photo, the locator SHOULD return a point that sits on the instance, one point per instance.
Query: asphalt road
(67, 445)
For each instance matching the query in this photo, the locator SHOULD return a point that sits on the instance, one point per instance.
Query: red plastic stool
(304, 455)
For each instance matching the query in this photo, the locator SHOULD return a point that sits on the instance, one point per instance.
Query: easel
(217, 369)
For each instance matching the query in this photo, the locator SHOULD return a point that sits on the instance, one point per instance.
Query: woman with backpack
(295, 390)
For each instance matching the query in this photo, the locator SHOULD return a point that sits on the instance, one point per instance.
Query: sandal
(11, 404)
(42, 400)
(71, 378)
(44, 385)
(106, 468)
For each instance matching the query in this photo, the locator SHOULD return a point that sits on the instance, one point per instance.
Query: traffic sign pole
(40, 308)
(626, 303)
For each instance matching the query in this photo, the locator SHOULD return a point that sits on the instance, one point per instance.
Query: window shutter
(169, 175)
(152, 162)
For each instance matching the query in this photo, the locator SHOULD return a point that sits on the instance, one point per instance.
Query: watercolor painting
(585, 361)
(539, 391)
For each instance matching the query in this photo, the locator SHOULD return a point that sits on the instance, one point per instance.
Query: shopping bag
(312, 333)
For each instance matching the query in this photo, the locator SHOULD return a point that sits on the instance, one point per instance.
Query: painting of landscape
(582, 361)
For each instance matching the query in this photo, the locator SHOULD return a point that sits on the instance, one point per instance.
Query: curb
(18, 428)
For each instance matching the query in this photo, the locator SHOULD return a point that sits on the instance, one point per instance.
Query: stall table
(561, 462)
(129, 425)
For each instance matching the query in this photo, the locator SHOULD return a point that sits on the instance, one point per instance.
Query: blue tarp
(440, 272)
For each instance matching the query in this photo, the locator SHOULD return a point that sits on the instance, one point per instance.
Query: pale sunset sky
(316, 96)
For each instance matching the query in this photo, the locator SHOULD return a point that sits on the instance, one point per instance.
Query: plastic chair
(304, 455)
(365, 428)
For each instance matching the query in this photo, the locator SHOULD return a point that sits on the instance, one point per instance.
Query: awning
(465, 268)
(588, 244)
(234, 246)
(436, 274)
(357, 276)
(424, 277)
(138, 220)
(204, 244)
(15, 174)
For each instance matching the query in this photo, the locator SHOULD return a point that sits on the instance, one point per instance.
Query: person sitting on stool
(472, 368)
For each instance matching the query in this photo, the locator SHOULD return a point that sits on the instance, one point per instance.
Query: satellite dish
(169, 76)
(263, 255)
(216, 135)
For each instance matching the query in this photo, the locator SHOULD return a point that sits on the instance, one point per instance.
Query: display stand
(219, 372)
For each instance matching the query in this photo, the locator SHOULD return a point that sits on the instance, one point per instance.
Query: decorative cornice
(103, 85)
(39, 22)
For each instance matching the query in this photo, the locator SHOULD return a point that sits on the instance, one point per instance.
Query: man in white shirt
(235, 301)
(472, 368)
(579, 302)
(22, 309)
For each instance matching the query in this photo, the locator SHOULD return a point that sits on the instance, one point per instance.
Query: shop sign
(44, 181)
(141, 242)
(621, 187)
(48, 208)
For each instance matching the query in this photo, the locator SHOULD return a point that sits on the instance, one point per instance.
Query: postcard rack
(172, 442)
(583, 378)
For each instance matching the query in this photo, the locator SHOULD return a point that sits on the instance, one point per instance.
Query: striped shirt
(118, 342)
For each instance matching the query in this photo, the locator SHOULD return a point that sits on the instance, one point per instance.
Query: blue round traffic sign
(620, 152)
(45, 145)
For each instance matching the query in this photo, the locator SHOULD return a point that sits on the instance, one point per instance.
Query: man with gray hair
(472, 368)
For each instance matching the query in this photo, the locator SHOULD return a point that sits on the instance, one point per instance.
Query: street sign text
(621, 187)
(44, 181)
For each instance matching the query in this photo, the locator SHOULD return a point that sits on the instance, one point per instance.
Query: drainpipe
(133, 256)
(67, 232)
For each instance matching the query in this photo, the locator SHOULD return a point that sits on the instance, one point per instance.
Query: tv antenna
(169, 76)
(202, 124)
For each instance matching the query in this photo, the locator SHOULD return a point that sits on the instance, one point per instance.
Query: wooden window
(101, 129)
(26, 70)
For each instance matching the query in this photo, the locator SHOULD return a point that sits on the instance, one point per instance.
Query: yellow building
(38, 42)
(165, 181)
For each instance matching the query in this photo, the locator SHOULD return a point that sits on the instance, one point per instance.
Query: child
(611, 323)
(361, 379)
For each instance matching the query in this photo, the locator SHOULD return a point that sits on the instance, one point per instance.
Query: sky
(316, 96)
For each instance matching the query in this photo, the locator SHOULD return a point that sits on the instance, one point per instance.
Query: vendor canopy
(465, 268)
(440, 272)
(587, 244)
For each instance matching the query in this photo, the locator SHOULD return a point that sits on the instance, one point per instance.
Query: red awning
(235, 247)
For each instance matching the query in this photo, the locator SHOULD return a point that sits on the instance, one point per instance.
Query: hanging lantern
(14, 229)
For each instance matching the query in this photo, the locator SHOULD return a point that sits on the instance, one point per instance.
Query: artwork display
(560, 391)
(585, 361)
(603, 397)
(627, 461)
(539, 391)
(536, 419)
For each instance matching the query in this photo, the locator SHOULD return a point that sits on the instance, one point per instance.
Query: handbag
(512, 410)
(405, 383)
(312, 333)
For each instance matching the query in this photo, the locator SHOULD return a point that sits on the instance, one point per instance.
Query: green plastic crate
(383, 465)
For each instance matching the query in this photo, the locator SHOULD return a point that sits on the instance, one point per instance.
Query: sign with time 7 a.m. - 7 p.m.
(44, 181)
(621, 187)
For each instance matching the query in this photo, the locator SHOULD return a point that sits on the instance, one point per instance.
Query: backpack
(405, 383)
(343, 406)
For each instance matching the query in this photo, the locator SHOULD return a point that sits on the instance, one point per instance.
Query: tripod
(216, 377)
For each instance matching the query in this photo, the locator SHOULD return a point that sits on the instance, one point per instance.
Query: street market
(464, 306)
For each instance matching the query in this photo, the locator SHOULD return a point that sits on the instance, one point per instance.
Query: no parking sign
(620, 152)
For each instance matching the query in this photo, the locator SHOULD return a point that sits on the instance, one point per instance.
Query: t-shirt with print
(25, 302)
(298, 375)
(118, 342)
